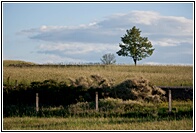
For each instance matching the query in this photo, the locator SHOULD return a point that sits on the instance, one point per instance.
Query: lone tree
(108, 59)
(135, 46)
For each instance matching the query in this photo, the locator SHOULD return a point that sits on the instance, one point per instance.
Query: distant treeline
(59, 65)
(53, 65)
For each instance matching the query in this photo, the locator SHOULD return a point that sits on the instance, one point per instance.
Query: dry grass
(16, 62)
(140, 89)
(158, 75)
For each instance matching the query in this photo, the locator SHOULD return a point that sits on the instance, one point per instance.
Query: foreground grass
(178, 121)
(158, 75)
(33, 123)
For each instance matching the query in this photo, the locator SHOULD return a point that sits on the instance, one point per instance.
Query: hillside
(16, 62)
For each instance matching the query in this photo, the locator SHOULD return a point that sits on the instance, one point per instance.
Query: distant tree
(108, 59)
(135, 46)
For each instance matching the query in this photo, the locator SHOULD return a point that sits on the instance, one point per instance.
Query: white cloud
(157, 27)
(77, 48)
(152, 63)
(144, 17)
(52, 58)
(170, 41)
(90, 41)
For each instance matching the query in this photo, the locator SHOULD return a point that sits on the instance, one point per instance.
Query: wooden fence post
(16, 83)
(170, 101)
(8, 80)
(96, 100)
(37, 102)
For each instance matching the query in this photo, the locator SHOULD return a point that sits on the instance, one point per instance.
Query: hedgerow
(77, 97)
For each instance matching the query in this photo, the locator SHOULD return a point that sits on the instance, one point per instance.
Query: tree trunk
(135, 61)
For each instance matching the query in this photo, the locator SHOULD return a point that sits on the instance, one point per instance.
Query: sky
(70, 32)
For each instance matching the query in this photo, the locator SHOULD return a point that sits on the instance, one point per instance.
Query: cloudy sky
(84, 32)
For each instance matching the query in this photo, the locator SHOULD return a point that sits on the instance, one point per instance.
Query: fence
(168, 89)
(172, 92)
(181, 89)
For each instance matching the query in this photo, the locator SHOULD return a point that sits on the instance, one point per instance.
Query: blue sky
(84, 32)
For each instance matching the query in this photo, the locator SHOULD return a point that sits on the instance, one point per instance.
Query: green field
(98, 121)
(72, 123)
(158, 75)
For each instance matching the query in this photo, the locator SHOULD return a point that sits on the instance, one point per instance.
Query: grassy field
(158, 75)
(178, 121)
(34, 123)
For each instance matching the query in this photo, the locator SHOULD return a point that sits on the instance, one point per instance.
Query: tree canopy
(135, 46)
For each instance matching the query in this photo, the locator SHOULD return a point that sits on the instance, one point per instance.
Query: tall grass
(158, 75)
